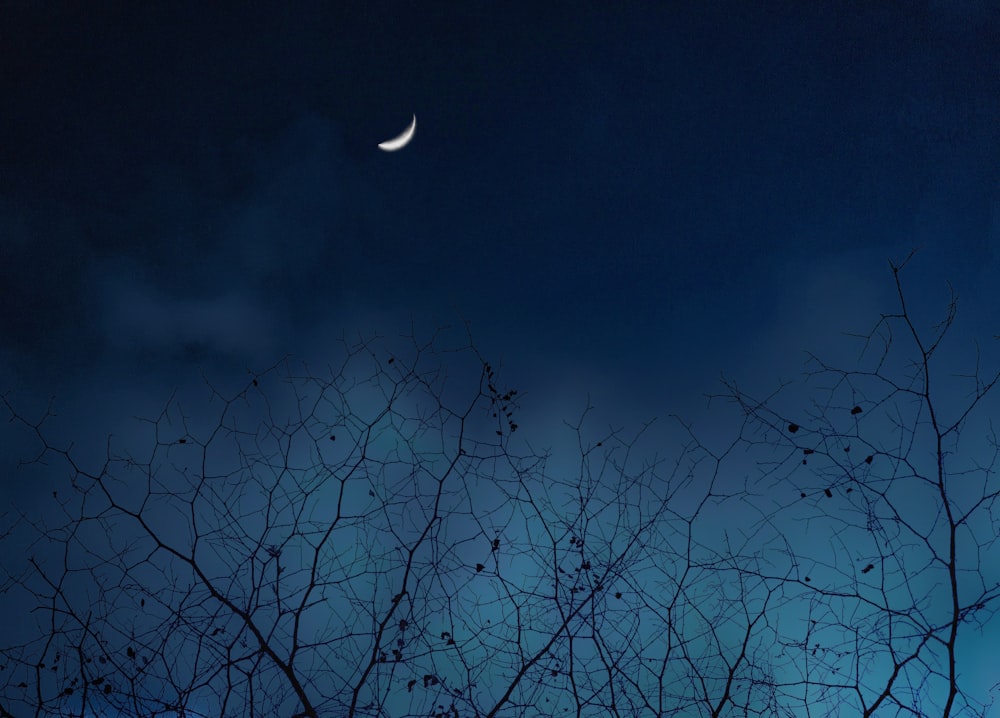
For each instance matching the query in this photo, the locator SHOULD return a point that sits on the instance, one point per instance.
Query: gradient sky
(622, 201)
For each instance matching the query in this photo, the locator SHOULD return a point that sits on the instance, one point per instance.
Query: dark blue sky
(624, 200)
(644, 192)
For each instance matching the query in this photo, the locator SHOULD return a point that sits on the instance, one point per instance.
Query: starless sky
(624, 200)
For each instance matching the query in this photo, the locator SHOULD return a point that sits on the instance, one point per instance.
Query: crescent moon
(398, 143)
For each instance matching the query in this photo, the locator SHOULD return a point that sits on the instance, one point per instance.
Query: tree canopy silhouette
(383, 541)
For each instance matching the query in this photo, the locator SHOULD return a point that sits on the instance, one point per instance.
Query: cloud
(228, 324)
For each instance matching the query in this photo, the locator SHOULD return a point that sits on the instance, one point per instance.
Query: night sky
(623, 201)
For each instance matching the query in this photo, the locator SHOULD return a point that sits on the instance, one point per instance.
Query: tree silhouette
(385, 541)
(912, 568)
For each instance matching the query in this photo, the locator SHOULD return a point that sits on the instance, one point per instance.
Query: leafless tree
(386, 541)
(893, 465)
(365, 545)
